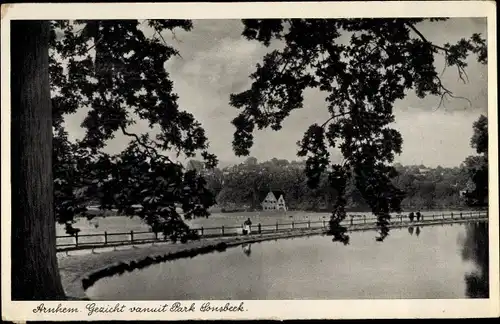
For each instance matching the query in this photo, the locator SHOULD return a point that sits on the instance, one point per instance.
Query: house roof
(277, 194)
(263, 194)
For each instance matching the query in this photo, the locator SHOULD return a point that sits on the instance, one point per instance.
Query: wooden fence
(83, 241)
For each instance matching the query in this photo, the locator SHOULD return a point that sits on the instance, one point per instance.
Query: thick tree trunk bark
(35, 273)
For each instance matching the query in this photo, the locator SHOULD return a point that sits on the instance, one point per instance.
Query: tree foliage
(116, 70)
(477, 165)
(479, 139)
(382, 62)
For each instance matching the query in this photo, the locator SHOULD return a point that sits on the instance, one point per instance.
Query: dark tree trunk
(35, 273)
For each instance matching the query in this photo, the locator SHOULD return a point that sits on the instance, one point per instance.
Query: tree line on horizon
(242, 186)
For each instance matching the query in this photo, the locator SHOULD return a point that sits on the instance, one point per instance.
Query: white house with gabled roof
(274, 200)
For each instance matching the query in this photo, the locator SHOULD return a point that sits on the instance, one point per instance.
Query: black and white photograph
(229, 160)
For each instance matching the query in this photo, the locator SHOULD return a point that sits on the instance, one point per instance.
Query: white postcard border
(261, 309)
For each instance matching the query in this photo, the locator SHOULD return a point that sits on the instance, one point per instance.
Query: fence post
(401, 218)
(259, 228)
(276, 226)
(105, 237)
(443, 215)
(433, 216)
(460, 215)
(132, 236)
(451, 215)
(201, 231)
(156, 235)
(308, 223)
(364, 219)
(471, 214)
(293, 225)
(76, 239)
(222, 230)
(324, 223)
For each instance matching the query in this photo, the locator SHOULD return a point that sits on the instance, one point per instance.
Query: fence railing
(82, 241)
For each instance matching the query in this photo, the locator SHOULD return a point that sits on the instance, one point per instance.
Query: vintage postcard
(328, 160)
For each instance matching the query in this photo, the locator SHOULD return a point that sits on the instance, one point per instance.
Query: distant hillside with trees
(240, 186)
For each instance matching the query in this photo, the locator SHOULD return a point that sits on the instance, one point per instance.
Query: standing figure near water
(418, 216)
(247, 227)
(411, 216)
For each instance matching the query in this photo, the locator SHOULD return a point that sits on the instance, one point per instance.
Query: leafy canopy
(479, 139)
(384, 59)
(477, 165)
(116, 71)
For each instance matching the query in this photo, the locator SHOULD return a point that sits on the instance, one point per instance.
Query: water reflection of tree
(476, 249)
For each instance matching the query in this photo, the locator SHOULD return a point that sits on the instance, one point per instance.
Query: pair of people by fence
(418, 216)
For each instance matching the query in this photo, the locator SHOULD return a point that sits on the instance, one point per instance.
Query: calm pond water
(449, 261)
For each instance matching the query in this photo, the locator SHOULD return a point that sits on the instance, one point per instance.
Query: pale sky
(216, 61)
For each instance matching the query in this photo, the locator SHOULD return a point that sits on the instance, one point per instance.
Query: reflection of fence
(82, 241)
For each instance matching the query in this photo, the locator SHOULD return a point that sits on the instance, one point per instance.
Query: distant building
(424, 170)
(274, 200)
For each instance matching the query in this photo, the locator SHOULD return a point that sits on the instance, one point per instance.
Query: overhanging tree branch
(91, 47)
(333, 117)
(447, 92)
(148, 148)
(461, 71)
(138, 140)
(412, 27)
